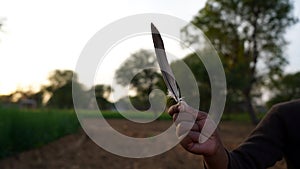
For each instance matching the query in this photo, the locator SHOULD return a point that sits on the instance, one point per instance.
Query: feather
(165, 68)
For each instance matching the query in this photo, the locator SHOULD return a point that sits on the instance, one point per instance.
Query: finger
(182, 116)
(198, 115)
(201, 116)
(184, 121)
(197, 137)
(175, 117)
(194, 135)
(207, 130)
(187, 117)
(200, 123)
(173, 110)
(190, 143)
(184, 127)
(198, 148)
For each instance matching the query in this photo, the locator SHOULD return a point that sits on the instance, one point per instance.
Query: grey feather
(165, 68)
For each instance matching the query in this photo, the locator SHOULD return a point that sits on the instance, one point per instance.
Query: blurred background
(40, 42)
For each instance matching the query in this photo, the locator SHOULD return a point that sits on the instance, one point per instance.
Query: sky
(41, 36)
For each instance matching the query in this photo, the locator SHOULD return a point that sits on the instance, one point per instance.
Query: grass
(27, 129)
(240, 117)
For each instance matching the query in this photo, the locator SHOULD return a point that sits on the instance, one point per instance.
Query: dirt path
(79, 152)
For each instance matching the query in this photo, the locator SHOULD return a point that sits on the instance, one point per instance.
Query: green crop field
(22, 130)
(26, 129)
(128, 114)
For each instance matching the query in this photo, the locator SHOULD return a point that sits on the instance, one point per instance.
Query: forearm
(217, 161)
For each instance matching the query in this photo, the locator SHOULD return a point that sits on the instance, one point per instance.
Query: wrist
(219, 160)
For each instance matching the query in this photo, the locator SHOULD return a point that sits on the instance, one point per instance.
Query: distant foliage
(102, 93)
(288, 88)
(60, 89)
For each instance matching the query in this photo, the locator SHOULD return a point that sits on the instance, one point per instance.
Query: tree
(59, 78)
(60, 89)
(141, 74)
(200, 74)
(6, 100)
(22, 96)
(249, 36)
(102, 93)
(288, 88)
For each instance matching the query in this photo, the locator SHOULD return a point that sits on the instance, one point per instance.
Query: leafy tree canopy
(60, 89)
(140, 72)
(249, 36)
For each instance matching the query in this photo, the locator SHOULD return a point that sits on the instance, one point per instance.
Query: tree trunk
(251, 110)
(252, 72)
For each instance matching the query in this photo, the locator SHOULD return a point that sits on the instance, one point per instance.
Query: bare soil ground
(77, 151)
